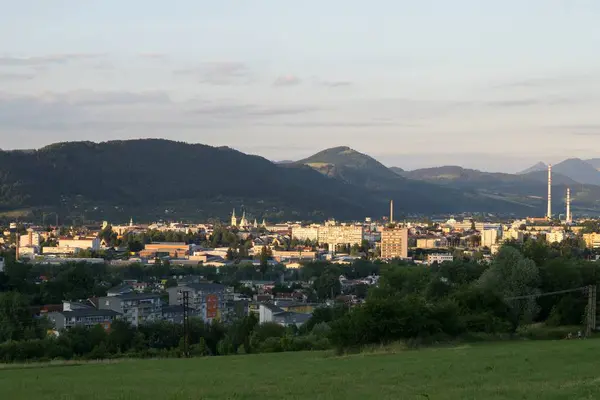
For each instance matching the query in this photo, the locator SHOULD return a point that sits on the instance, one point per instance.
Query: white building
(78, 242)
(30, 239)
(439, 258)
(335, 235)
(555, 236)
(490, 237)
(513, 234)
(306, 232)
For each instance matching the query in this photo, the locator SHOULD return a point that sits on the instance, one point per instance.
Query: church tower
(244, 222)
(233, 219)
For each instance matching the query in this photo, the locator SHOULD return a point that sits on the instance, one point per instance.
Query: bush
(271, 345)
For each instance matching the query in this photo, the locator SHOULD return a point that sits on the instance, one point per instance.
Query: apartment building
(439, 258)
(513, 234)
(340, 235)
(136, 308)
(306, 232)
(207, 299)
(592, 240)
(30, 239)
(555, 236)
(490, 237)
(83, 317)
(394, 243)
(432, 242)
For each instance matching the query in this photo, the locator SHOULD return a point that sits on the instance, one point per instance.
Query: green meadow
(567, 369)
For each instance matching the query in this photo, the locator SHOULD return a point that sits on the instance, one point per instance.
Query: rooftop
(205, 286)
(89, 312)
(136, 296)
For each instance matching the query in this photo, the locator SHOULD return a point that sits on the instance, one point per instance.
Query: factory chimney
(549, 213)
(569, 217)
(391, 211)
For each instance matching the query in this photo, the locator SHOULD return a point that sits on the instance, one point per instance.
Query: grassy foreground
(512, 370)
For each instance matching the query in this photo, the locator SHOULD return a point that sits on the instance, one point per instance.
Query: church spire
(244, 222)
(233, 218)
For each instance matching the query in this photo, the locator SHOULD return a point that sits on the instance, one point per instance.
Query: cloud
(59, 110)
(336, 83)
(287, 80)
(219, 73)
(85, 98)
(154, 56)
(233, 110)
(341, 124)
(513, 103)
(528, 102)
(331, 83)
(548, 81)
(9, 76)
(579, 129)
(41, 61)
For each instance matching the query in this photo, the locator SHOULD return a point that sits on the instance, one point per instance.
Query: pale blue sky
(492, 85)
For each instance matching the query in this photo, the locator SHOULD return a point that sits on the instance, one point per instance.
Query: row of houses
(208, 301)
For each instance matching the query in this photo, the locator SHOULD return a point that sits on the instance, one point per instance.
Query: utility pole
(186, 324)
(591, 311)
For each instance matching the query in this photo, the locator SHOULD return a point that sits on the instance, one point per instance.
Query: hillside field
(514, 370)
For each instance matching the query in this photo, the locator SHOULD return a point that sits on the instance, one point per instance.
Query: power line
(534, 296)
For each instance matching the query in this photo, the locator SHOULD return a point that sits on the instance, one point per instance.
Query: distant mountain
(154, 179)
(161, 178)
(594, 162)
(540, 166)
(528, 188)
(352, 167)
(578, 170)
(470, 177)
(363, 171)
(397, 170)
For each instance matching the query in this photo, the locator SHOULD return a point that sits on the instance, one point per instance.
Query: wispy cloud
(287, 80)
(9, 76)
(340, 124)
(547, 81)
(219, 73)
(154, 56)
(543, 101)
(251, 110)
(578, 129)
(331, 83)
(40, 61)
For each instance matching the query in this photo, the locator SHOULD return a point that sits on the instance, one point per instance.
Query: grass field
(511, 370)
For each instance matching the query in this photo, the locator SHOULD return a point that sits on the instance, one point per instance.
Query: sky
(496, 85)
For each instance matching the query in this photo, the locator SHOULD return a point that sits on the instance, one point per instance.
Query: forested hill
(152, 178)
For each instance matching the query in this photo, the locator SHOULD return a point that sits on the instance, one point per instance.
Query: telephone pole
(186, 324)
(591, 310)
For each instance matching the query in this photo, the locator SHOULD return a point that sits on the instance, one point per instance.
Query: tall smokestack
(569, 218)
(391, 211)
(18, 247)
(549, 213)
